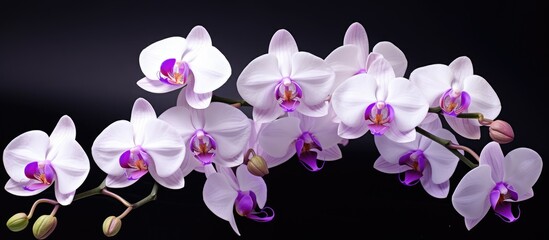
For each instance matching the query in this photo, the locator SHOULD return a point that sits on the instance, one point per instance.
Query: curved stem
(91, 192)
(150, 197)
(54, 211)
(479, 116)
(446, 143)
(115, 196)
(126, 212)
(466, 149)
(43, 200)
(236, 103)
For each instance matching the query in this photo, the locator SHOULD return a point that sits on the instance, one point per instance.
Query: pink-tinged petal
(120, 181)
(153, 55)
(275, 161)
(432, 80)
(232, 221)
(431, 122)
(330, 154)
(471, 196)
(190, 163)
(356, 35)
(323, 128)
(142, 112)
(197, 39)
(197, 100)
(385, 166)
(174, 181)
(19, 188)
(439, 190)
(249, 182)
(230, 174)
(443, 162)
(344, 61)
(492, 156)
(351, 98)
(471, 222)
(63, 131)
(398, 136)
(522, 168)
(382, 70)
(219, 196)
(283, 47)
(526, 195)
(257, 82)
(26, 148)
(268, 114)
(467, 128)
(394, 55)
(318, 110)
(462, 67)
(278, 137)
(314, 76)
(391, 151)
(410, 107)
(349, 132)
(156, 86)
(71, 167)
(114, 140)
(483, 97)
(166, 147)
(210, 69)
(180, 118)
(63, 198)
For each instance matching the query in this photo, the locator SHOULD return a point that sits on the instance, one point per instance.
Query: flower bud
(501, 132)
(44, 226)
(111, 226)
(257, 166)
(18, 222)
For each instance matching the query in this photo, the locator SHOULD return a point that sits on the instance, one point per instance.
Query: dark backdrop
(82, 60)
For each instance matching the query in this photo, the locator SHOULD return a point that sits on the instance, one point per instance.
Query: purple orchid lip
(416, 160)
(203, 146)
(42, 172)
(381, 115)
(453, 103)
(173, 72)
(306, 146)
(136, 162)
(288, 94)
(245, 205)
(501, 198)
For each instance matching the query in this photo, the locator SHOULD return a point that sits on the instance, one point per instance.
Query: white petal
(356, 35)
(396, 135)
(314, 76)
(283, 46)
(432, 80)
(267, 115)
(197, 100)
(275, 161)
(348, 132)
(471, 222)
(256, 84)
(409, 106)
(166, 147)
(330, 154)
(431, 122)
(462, 67)
(391, 151)
(142, 112)
(230, 174)
(210, 69)
(352, 97)
(394, 55)
(344, 61)
(156, 86)
(483, 97)
(439, 190)
(471, 196)
(190, 163)
(197, 39)
(522, 168)
(26, 148)
(71, 167)
(323, 128)
(442, 161)
(467, 128)
(174, 181)
(492, 156)
(382, 70)
(120, 181)
(17, 188)
(109, 145)
(249, 182)
(231, 130)
(63, 131)
(153, 55)
(63, 198)
(319, 110)
(278, 137)
(232, 221)
(385, 166)
(219, 196)
(180, 118)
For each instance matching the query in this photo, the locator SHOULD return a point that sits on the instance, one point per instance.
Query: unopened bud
(501, 132)
(18, 222)
(257, 166)
(111, 226)
(44, 226)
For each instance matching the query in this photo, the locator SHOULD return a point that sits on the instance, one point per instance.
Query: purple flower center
(416, 160)
(174, 72)
(42, 172)
(304, 145)
(136, 162)
(245, 205)
(500, 198)
(203, 147)
(380, 115)
(454, 102)
(288, 94)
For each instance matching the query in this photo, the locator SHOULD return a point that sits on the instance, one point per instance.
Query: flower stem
(435, 110)
(150, 197)
(233, 102)
(91, 192)
(43, 200)
(446, 143)
(466, 149)
(105, 191)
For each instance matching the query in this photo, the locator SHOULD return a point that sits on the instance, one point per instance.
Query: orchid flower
(34, 161)
(497, 183)
(285, 80)
(455, 89)
(243, 192)
(380, 103)
(311, 138)
(127, 150)
(176, 62)
(421, 160)
(354, 56)
(216, 134)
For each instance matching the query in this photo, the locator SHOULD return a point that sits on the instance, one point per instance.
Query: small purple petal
(135, 174)
(299, 145)
(377, 130)
(167, 67)
(494, 198)
(244, 203)
(205, 158)
(35, 186)
(309, 160)
(31, 169)
(265, 215)
(405, 158)
(125, 159)
(411, 177)
(49, 172)
(504, 211)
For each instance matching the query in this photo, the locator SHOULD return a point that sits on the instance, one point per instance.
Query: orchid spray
(305, 107)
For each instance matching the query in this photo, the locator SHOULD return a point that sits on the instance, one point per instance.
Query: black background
(81, 60)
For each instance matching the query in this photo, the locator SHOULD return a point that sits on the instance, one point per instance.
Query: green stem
(150, 197)
(216, 98)
(471, 115)
(91, 192)
(446, 143)
(435, 110)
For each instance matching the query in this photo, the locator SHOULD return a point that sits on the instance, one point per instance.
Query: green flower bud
(44, 226)
(257, 166)
(111, 226)
(18, 222)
